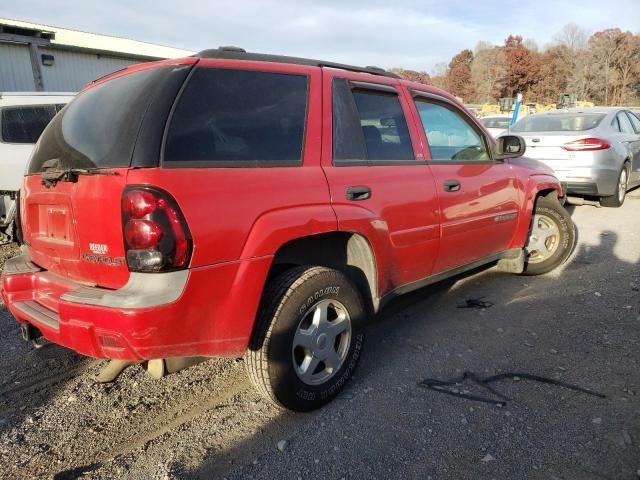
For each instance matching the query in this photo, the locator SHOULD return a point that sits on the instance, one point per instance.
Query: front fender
(535, 184)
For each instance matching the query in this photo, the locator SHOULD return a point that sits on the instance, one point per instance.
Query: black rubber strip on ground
(441, 386)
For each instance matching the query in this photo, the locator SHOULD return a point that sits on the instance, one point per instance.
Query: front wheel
(617, 199)
(307, 339)
(552, 237)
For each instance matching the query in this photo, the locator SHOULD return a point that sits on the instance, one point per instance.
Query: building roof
(64, 37)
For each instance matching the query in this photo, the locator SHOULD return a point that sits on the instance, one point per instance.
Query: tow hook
(29, 332)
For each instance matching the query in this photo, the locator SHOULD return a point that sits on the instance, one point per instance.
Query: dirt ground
(580, 325)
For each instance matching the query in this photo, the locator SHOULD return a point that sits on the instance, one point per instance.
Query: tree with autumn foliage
(614, 58)
(603, 68)
(412, 75)
(523, 67)
(458, 79)
(556, 69)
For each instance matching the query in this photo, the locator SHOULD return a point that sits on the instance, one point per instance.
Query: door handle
(357, 193)
(451, 185)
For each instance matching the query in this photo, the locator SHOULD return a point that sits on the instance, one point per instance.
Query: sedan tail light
(156, 235)
(586, 144)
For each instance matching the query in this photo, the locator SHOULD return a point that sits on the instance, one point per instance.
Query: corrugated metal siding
(15, 68)
(72, 70)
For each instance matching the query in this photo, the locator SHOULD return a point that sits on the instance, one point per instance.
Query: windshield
(564, 122)
(99, 127)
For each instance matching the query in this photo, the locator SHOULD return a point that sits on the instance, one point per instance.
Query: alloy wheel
(544, 238)
(321, 342)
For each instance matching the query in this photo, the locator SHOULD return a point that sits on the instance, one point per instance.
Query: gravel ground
(579, 325)
(6, 252)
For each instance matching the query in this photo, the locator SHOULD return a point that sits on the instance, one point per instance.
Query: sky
(391, 33)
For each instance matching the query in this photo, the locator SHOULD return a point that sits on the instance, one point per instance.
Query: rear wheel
(617, 199)
(552, 237)
(308, 338)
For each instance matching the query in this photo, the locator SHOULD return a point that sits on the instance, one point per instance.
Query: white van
(23, 116)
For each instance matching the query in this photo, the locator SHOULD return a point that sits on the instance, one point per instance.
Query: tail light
(156, 236)
(586, 144)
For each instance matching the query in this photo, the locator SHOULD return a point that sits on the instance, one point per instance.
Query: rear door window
(635, 121)
(625, 124)
(228, 118)
(369, 126)
(450, 136)
(615, 124)
(25, 124)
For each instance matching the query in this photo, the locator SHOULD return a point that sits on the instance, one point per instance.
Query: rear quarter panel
(249, 212)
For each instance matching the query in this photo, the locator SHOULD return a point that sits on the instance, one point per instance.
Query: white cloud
(405, 33)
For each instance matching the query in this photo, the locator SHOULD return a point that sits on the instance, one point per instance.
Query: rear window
(562, 122)
(228, 118)
(99, 127)
(495, 122)
(25, 124)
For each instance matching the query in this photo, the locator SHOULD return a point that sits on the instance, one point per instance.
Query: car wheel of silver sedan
(617, 199)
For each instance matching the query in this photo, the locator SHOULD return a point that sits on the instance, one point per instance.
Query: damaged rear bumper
(160, 315)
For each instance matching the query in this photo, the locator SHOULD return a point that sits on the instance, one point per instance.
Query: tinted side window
(384, 127)
(635, 121)
(348, 139)
(449, 135)
(25, 124)
(625, 123)
(231, 117)
(368, 125)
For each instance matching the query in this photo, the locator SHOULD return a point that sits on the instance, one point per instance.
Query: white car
(496, 124)
(23, 117)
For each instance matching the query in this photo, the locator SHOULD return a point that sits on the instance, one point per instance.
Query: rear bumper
(188, 313)
(588, 181)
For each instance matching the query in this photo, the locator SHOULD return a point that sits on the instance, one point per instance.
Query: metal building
(37, 57)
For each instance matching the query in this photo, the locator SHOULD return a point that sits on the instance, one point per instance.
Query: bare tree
(488, 68)
(531, 44)
(572, 36)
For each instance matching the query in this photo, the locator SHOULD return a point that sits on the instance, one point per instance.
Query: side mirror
(510, 146)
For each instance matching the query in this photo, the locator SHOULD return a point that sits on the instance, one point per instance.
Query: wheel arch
(537, 186)
(348, 252)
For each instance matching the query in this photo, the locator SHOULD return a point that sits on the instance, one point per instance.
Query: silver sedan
(596, 151)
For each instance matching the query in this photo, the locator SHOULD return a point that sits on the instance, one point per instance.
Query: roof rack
(237, 53)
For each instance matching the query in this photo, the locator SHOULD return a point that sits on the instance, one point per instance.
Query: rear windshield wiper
(51, 177)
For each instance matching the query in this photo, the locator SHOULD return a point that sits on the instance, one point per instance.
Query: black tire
(551, 211)
(617, 199)
(287, 302)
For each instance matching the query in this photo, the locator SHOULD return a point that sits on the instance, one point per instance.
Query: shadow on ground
(579, 325)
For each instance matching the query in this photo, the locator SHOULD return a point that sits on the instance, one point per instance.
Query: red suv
(233, 204)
